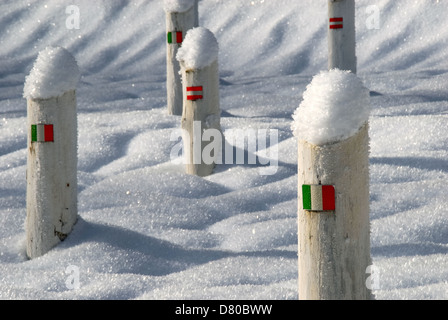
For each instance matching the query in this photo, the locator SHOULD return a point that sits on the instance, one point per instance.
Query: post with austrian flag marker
(181, 16)
(201, 129)
(342, 35)
(331, 125)
(195, 93)
(51, 194)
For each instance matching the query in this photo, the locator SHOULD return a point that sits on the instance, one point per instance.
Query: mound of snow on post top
(178, 5)
(54, 73)
(335, 106)
(199, 49)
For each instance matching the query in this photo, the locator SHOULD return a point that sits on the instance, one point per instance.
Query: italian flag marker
(195, 93)
(318, 198)
(42, 133)
(174, 37)
(336, 23)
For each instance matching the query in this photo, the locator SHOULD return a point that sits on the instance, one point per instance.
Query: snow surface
(178, 5)
(335, 106)
(147, 230)
(54, 73)
(199, 49)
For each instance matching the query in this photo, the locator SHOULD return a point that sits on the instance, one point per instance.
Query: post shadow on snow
(223, 82)
(152, 256)
(414, 162)
(275, 104)
(93, 101)
(409, 250)
(13, 146)
(17, 197)
(298, 62)
(226, 114)
(414, 98)
(120, 92)
(118, 143)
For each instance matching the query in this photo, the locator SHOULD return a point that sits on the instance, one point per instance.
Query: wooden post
(177, 25)
(51, 194)
(342, 35)
(201, 109)
(333, 184)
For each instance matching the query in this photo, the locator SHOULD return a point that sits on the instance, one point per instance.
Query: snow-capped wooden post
(201, 114)
(333, 183)
(181, 16)
(342, 35)
(51, 195)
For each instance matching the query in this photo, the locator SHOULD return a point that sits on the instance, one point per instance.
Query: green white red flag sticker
(174, 37)
(318, 198)
(42, 133)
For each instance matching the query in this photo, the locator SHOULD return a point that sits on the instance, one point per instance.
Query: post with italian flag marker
(331, 125)
(51, 194)
(341, 35)
(181, 16)
(202, 135)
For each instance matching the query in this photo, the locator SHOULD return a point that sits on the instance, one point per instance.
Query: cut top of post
(335, 106)
(54, 73)
(199, 49)
(172, 6)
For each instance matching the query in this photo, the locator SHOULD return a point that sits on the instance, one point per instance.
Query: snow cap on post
(54, 73)
(178, 5)
(335, 106)
(199, 49)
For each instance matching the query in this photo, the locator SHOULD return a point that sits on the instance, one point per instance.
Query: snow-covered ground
(147, 230)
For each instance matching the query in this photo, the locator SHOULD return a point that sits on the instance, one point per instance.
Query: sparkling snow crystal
(335, 106)
(54, 72)
(199, 49)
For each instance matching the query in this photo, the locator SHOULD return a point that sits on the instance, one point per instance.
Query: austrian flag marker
(195, 93)
(42, 133)
(336, 23)
(318, 198)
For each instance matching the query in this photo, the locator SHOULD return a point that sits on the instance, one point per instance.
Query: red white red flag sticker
(195, 93)
(336, 23)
